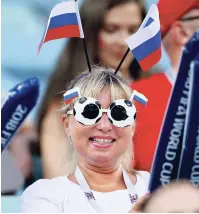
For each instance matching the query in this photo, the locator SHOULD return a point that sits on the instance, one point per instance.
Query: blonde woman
(99, 125)
(106, 24)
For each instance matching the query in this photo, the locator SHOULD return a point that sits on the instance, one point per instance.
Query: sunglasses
(88, 111)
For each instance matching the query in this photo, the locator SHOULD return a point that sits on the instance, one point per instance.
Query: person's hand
(20, 148)
(139, 204)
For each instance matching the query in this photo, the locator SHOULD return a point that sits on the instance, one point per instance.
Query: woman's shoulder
(142, 183)
(144, 175)
(48, 195)
(56, 187)
(143, 178)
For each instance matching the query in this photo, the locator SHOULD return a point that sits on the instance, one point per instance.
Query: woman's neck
(103, 179)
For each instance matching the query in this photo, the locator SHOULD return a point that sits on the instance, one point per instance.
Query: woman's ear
(64, 118)
(65, 121)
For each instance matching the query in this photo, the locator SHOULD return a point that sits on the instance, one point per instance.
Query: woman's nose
(104, 123)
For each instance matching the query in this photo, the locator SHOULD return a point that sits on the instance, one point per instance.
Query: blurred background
(23, 24)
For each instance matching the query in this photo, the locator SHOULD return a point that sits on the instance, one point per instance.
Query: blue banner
(20, 101)
(189, 163)
(168, 150)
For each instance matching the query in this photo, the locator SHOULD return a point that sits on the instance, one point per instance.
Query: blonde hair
(91, 85)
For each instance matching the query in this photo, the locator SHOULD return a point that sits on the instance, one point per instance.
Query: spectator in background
(106, 25)
(178, 23)
(177, 197)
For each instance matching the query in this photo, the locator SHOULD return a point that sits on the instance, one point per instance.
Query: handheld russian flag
(64, 22)
(139, 97)
(71, 95)
(145, 44)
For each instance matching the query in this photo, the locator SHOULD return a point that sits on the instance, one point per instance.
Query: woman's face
(120, 22)
(92, 143)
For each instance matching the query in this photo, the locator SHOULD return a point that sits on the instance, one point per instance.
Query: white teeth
(99, 140)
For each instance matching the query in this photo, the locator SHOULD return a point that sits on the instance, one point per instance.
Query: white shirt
(62, 195)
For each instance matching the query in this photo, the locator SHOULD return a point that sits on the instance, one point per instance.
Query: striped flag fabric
(64, 22)
(139, 97)
(145, 44)
(70, 95)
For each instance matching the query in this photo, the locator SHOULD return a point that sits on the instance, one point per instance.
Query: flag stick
(123, 58)
(86, 52)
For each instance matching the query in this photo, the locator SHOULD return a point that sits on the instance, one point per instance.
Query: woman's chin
(101, 158)
(103, 153)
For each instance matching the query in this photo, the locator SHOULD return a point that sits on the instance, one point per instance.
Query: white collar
(88, 193)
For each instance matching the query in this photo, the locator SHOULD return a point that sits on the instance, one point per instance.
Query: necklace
(88, 193)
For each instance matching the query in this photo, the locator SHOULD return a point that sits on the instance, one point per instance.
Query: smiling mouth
(102, 141)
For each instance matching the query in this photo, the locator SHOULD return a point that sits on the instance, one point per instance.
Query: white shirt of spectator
(62, 195)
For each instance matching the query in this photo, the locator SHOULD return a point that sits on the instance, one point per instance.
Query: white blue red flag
(139, 97)
(64, 22)
(71, 94)
(145, 44)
